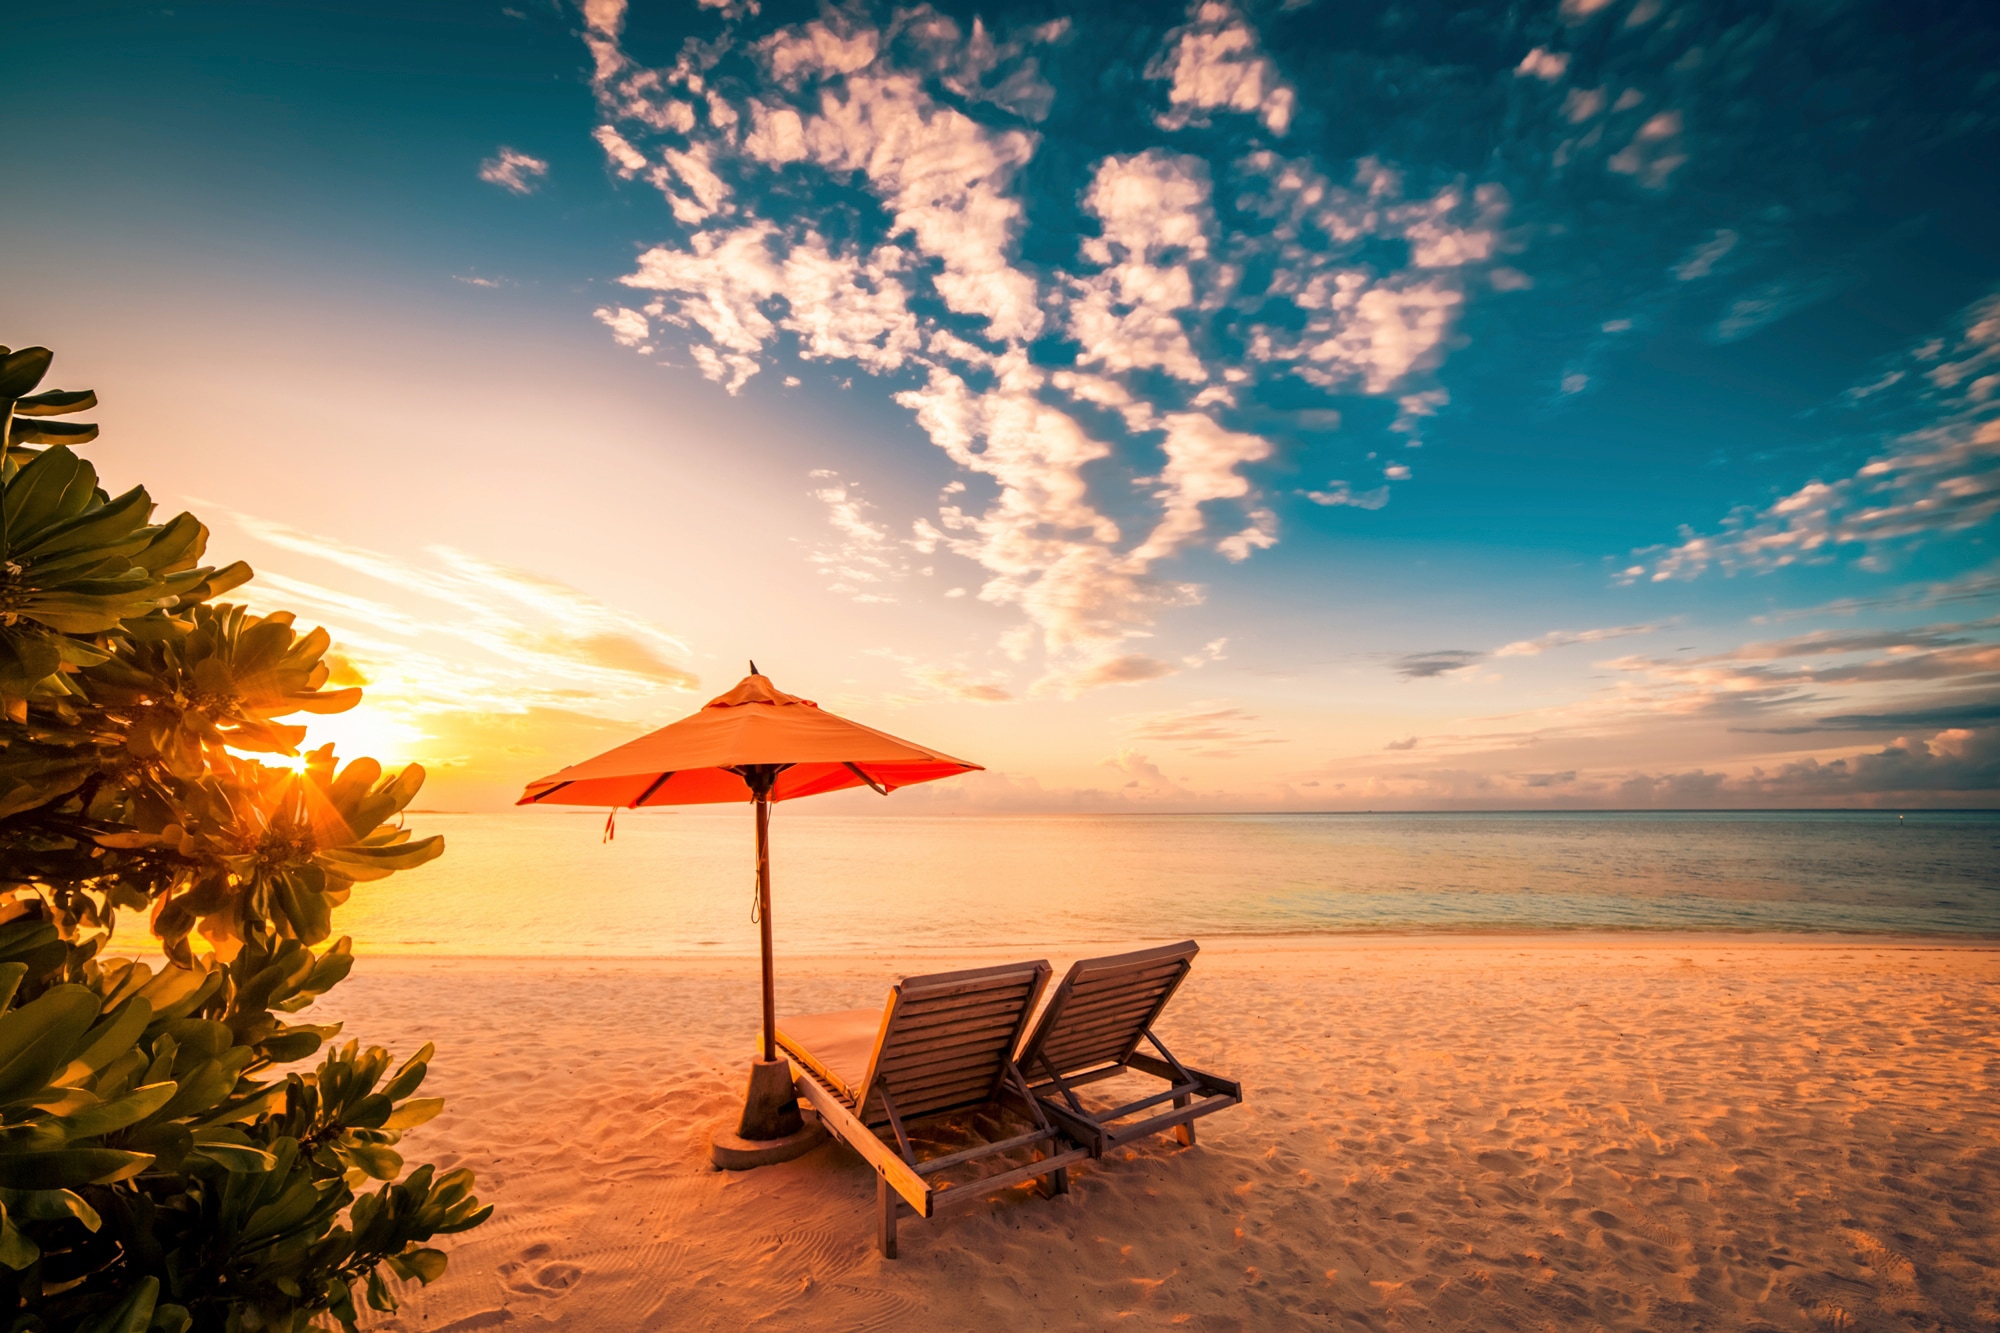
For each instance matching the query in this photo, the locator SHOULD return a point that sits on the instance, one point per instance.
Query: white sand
(1497, 1133)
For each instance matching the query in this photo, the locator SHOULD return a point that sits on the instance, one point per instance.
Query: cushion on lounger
(835, 1045)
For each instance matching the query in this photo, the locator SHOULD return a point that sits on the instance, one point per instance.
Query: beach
(1460, 1132)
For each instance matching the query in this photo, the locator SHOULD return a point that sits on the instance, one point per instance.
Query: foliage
(159, 1169)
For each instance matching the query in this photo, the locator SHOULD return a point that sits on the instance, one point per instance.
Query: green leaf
(28, 654)
(426, 1265)
(21, 371)
(31, 430)
(16, 1250)
(36, 1039)
(131, 1315)
(416, 1111)
(69, 1168)
(378, 1161)
(379, 1295)
(121, 1112)
(236, 1158)
(55, 402)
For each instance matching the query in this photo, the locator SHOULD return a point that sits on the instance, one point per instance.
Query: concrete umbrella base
(771, 1130)
(733, 1152)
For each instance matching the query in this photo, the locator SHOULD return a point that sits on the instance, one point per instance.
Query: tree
(160, 1168)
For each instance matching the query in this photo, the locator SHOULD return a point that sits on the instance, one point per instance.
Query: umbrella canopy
(755, 743)
(701, 760)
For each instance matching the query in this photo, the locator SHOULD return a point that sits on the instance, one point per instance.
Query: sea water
(546, 883)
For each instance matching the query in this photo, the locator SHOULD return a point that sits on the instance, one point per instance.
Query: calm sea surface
(541, 883)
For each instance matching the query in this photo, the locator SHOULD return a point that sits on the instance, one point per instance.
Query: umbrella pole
(764, 921)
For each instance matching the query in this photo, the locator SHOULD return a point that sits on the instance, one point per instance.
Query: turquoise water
(543, 883)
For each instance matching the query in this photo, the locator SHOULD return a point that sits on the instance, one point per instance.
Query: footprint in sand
(534, 1274)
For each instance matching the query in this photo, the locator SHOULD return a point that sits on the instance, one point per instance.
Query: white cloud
(1943, 478)
(1654, 153)
(542, 643)
(1215, 729)
(1215, 62)
(1203, 462)
(866, 560)
(628, 327)
(938, 294)
(1701, 261)
(1151, 206)
(628, 160)
(1583, 104)
(514, 171)
(1340, 493)
(1547, 66)
(1770, 302)
(945, 178)
(1566, 638)
(958, 683)
(1377, 329)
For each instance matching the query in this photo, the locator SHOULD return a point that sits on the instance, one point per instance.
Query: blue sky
(1282, 406)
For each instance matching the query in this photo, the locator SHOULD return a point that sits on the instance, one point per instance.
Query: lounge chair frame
(932, 1026)
(1091, 1030)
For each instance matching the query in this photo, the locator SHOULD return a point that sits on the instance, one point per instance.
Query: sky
(1295, 406)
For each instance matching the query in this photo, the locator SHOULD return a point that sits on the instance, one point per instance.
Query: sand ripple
(1491, 1134)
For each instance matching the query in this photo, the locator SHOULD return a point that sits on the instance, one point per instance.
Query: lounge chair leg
(1185, 1130)
(885, 1224)
(1058, 1181)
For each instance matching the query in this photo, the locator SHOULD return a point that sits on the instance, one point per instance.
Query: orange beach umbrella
(755, 743)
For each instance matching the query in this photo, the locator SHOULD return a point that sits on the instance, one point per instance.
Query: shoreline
(1233, 947)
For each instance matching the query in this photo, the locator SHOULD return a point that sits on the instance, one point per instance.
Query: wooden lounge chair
(940, 1044)
(1091, 1031)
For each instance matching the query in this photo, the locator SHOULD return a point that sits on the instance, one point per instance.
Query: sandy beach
(1534, 1132)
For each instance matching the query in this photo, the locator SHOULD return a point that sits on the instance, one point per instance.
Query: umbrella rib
(541, 796)
(880, 790)
(647, 794)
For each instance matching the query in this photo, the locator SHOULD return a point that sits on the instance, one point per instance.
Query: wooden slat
(1110, 1043)
(1150, 993)
(835, 1115)
(952, 1090)
(916, 988)
(1185, 1115)
(995, 1041)
(981, 1026)
(930, 1166)
(921, 1019)
(918, 1073)
(1166, 953)
(942, 1100)
(1132, 977)
(973, 1191)
(1124, 1017)
(1118, 1034)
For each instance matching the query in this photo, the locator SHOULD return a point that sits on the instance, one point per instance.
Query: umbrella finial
(753, 668)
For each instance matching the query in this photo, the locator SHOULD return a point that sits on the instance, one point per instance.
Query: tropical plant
(160, 1168)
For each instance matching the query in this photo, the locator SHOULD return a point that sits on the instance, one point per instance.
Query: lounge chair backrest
(1103, 1007)
(947, 1039)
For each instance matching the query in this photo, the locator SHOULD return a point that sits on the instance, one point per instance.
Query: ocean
(545, 883)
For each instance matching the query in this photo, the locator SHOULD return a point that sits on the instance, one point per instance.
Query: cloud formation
(513, 171)
(1216, 62)
(535, 642)
(1940, 478)
(849, 190)
(1212, 730)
